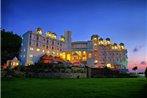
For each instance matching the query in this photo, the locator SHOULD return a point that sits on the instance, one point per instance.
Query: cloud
(137, 48)
(143, 63)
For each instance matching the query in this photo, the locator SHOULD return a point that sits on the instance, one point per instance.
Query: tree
(135, 69)
(10, 45)
(146, 72)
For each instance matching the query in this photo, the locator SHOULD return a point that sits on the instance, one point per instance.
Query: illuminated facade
(96, 52)
(13, 63)
(34, 45)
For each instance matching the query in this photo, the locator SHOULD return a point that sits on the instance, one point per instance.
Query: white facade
(34, 45)
(96, 52)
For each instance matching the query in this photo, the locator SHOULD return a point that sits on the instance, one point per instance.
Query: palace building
(96, 52)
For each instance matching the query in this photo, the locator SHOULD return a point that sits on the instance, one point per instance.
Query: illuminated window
(68, 56)
(95, 61)
(23, 55)
(63, 55)
(84, 58)
(13, 63)
(42, 50)
(122, 47)
(84, 52)
(31, 55)
(109, 65)
(31, 48)
(24, 50)
(115, 47)
(48, 51)
(94, 38)
(60, 54)
(90, 55)
(38, 49)
(17, 63)
(94, 44)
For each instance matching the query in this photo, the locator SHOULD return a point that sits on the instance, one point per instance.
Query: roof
(75, 54)
(79, 42)
(15, 58)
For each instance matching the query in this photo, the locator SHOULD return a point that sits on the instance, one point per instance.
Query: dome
(115, 44)
(122, 44)
(101, 39)
(108, 39)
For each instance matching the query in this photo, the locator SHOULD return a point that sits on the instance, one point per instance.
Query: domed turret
(39, 31)
(121, 44)
(100, 39)
(94, 37)
(115, 44)
(107, 39)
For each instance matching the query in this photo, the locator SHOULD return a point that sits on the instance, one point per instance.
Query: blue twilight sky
(121, 20)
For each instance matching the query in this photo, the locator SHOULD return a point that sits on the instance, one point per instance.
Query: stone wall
(58, 75)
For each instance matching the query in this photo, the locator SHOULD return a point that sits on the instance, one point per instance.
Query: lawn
(75, 88)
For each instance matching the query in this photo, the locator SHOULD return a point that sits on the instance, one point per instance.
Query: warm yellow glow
(63, 55)
(68, 57)
(17, 63)
(38, 49)
(84, 58)
(109, 65)
(62, 38)
(48, 51)
(13, 63)
(79, 52)
(122, 47)
(84, 52)
(95, 44)
(115, 47)
(108, 42)
(31, 48)
(95, 61)
(94, 38)
(39, 32)
(90, 55)
(48, 34)
(101, 42)
(53, 36)
(60, 54)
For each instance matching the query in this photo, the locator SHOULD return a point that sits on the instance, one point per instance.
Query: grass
(75, 88)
